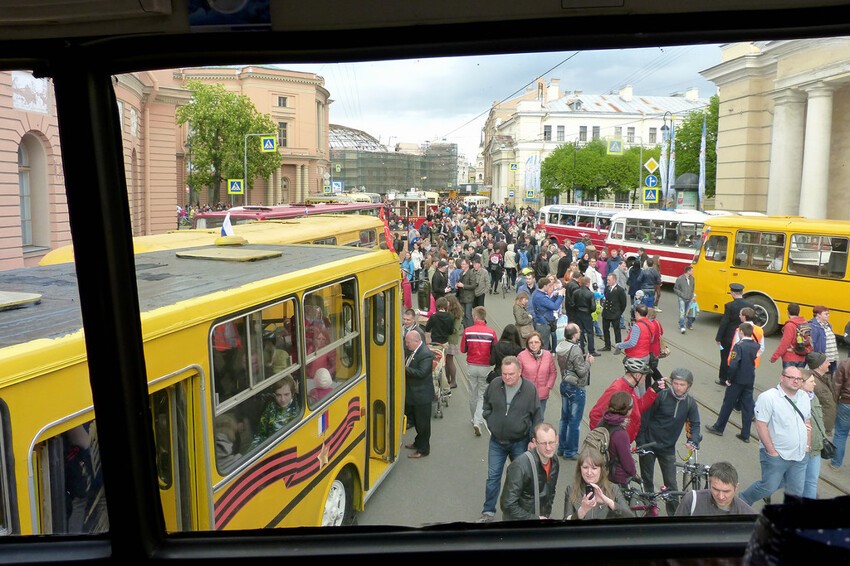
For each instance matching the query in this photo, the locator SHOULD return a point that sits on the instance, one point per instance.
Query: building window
(596, 134)
(25, 195)
(653, 135)
(618, 132)
(281, 134)
(560, 133)
(630, 135)
(121, 115)
(134, 122)
(547, 133)
(582, 133)
(281, 101)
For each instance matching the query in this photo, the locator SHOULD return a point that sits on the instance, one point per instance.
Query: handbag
(491, 376)
(828, 450)
(525, 330)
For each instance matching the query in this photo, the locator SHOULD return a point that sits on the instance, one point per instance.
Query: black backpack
(802, 344)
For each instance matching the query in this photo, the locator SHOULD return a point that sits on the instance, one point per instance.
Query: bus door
(385, 387)
(178, 488)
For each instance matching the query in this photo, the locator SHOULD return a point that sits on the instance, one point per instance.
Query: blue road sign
(235, 187)
(651, 181)
(650, 195)
(269, 143)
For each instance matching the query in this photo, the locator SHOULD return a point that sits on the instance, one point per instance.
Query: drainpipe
(147, 148)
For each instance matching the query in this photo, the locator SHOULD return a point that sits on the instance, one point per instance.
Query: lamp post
(665, 136)
(245, 165)
(575, 166)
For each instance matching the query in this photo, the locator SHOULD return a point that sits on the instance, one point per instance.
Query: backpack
(523, 259)
(803, 339)
(600, 440)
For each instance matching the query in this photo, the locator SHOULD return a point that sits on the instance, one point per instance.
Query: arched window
(26, 197)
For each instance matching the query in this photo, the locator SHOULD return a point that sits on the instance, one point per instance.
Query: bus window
(74, 497)
(688, 235)
(759, 250)
(715, 248)
(586, 220)
(617, 232)
(331, 339)
(822, 256)
(230, 362)
(367, 238)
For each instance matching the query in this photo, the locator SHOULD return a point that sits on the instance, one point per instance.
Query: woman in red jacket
(538, 366)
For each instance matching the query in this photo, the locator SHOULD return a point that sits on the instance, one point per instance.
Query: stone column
(813, 203)
(299, 195)
(786, 157)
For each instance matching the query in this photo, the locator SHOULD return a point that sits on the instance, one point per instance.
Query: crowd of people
(568, 295)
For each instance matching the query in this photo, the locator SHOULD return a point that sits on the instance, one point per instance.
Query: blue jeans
(810, 488)
(648, 297)
(842, 427)
(775, 471)
(497, 455)
(572, 408)
(793, 364)
(683, 311)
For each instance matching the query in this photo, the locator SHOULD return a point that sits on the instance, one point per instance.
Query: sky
(448, 99)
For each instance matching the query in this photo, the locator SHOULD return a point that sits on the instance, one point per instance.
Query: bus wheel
(766, 315)
(339, 506)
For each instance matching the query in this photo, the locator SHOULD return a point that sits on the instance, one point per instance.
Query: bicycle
(645, 504)
(694, 474)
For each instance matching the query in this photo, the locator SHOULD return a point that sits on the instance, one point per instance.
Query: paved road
(448, 485)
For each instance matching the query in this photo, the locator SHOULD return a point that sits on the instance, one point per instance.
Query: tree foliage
(218, 122)
(588, 167)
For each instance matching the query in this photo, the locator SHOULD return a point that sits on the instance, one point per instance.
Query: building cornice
(750, 66)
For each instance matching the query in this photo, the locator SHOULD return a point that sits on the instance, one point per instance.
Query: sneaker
(486, 518)
(743, 439)
(476, 429)
(658, 309)
(712, 430)
(682, 330)
(605, 349)
(833, 467)
(447, 393)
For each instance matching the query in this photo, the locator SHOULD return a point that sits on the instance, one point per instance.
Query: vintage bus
(672, 235)
(365, 197)
(478, 201)
(411, 208)
(251, 213)
(575, 221)
(331, 229)
(264, 318)
(779, 260)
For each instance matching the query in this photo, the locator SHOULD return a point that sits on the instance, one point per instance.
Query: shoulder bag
(536, 486)
(828, 450)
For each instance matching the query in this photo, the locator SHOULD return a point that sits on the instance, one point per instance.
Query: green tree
(688, 139)
(218, 122)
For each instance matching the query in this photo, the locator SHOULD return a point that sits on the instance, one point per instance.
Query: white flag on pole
(701, 202)
(226, 226)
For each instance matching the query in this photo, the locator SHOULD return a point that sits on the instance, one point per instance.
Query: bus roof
(801, 223)
(285, 231)
(163, 279)
(681, 215)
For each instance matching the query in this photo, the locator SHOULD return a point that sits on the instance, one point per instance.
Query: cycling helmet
(683, 374)
(636, 365)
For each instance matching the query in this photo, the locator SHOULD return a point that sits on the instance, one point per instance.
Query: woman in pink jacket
(538, 366)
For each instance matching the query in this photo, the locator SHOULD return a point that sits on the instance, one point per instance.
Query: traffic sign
(269, 143)
(514, 166)
(337, 167)
(650, 195)
(326, 189)
(511, 193)
(236, 186)
(651, 165)
(529, 193)
(651, 181)
(615, 147)
(337, 186)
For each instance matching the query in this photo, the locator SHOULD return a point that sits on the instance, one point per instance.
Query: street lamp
(665, 136)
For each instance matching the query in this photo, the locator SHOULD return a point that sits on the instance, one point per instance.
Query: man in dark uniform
(730, 321)
(419, 392)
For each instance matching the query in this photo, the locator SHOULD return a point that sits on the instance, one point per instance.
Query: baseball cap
(527, 271)
(442, 263)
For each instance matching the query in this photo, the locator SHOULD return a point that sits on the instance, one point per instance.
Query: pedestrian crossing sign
(269, 143)
(650, 195)
(235, 187)
(615, 147)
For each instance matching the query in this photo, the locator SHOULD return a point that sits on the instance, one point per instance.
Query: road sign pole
(245, 168)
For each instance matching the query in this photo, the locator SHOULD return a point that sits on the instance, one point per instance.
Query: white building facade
(520, 133)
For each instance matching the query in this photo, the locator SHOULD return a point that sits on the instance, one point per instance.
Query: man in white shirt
(783, 417)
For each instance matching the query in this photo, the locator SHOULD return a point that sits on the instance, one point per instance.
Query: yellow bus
(779, 260)
(223, 328)
(432, 198)
(334, 229)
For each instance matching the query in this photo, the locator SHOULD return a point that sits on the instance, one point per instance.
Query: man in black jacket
(522, 500)
(613, 306)
(440, 280)
(419, 392)
(585, 305)
(728, 324)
